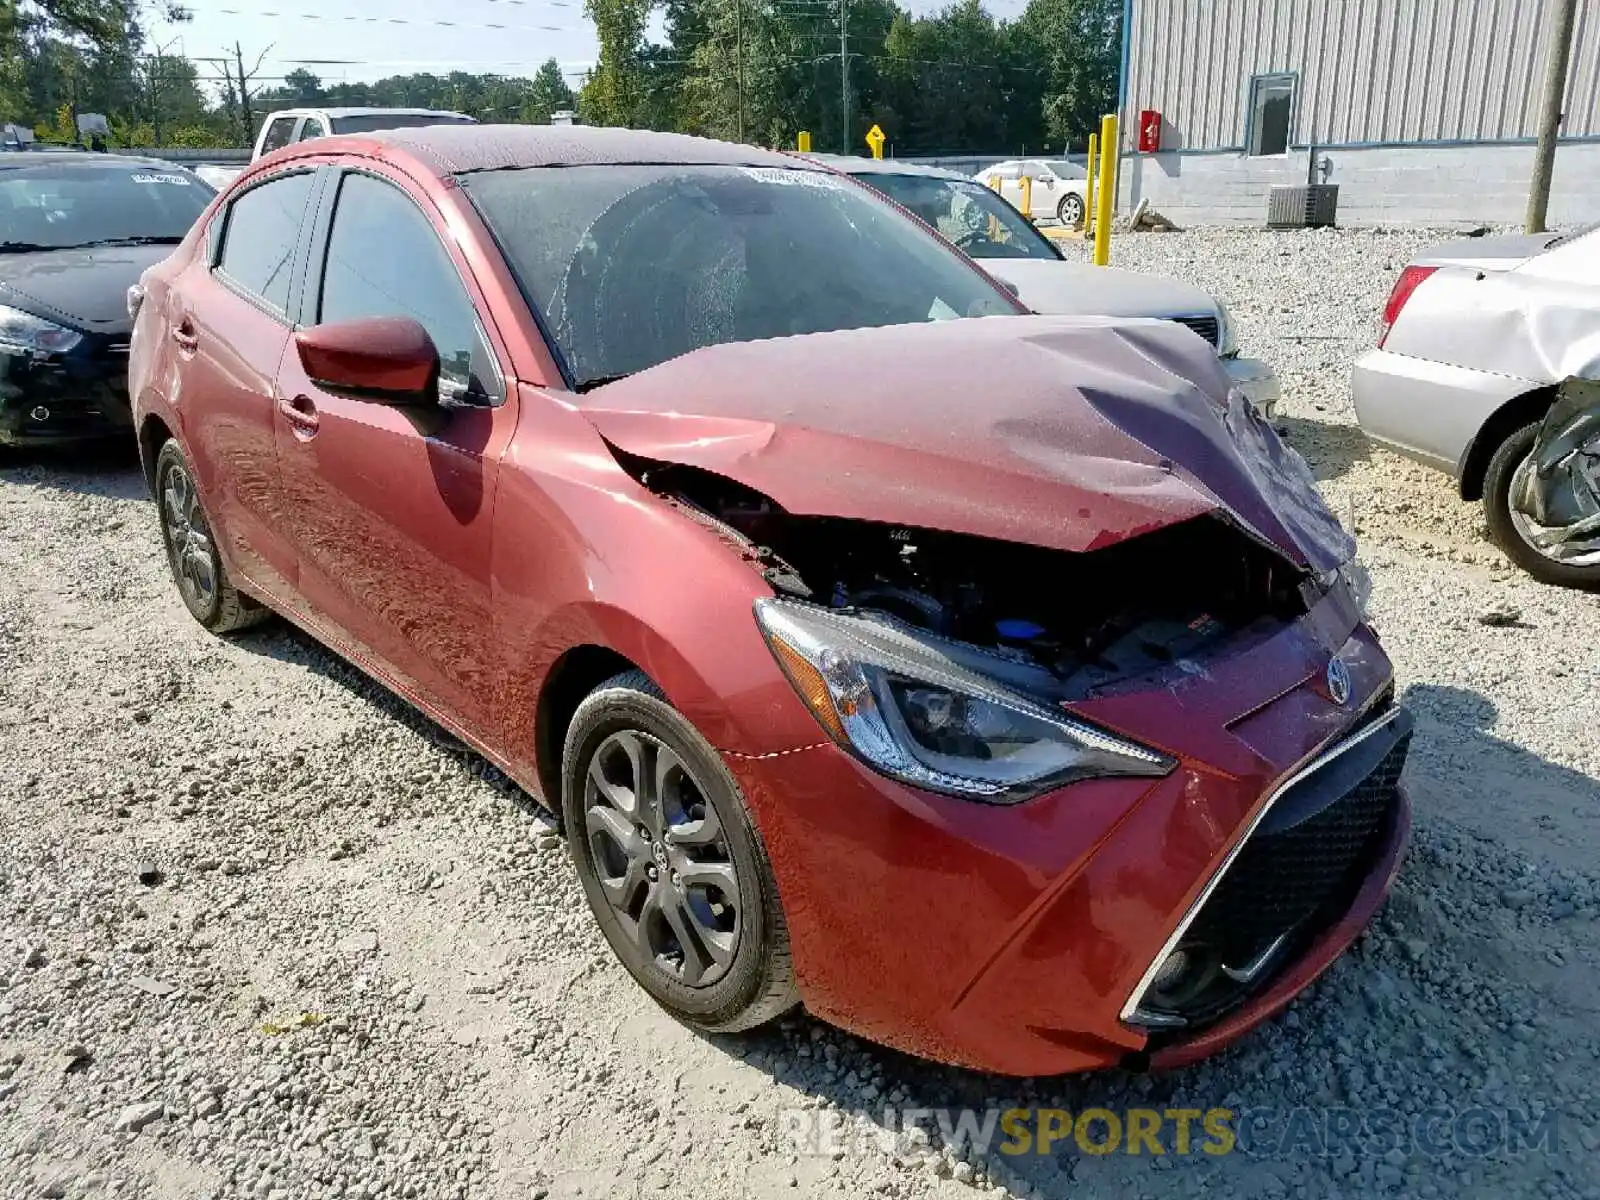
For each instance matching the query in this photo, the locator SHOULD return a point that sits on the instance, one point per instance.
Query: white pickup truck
(297, 124)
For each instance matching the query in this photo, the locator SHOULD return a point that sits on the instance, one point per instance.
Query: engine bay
(1089, 619)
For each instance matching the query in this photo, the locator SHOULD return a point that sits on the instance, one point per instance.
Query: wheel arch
(1502, 423)
(578, 671)
(153, 434)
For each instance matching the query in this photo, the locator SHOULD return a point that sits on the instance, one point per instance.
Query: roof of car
(455, 149)
(853, 165)
(363, 112)
(93, 158)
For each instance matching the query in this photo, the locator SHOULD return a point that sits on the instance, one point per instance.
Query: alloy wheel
(189, 544)
(662, 858)
(1569, 547)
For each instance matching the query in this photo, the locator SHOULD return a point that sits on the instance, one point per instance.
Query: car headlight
(24, 331)
(898, 700)
(1227, 338)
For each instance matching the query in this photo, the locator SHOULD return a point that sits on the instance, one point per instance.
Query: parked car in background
(1012, 250)
(76, 230)
(218, 175)
(1480, 337)
(670, 475)
(289, 125)
(1059, 189)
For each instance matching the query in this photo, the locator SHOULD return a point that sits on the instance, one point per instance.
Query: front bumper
(1015, 937)
(79, 396)
(1257, 381)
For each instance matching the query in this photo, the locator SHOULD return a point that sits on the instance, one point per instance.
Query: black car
(76, 231)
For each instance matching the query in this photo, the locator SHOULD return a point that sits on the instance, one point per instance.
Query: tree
(1080, 45)
(615, 93)
(548, 93)
(302, 87)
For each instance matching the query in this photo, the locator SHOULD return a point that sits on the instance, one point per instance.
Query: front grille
(1298, 870)
(1206, 327)
(1283, 877)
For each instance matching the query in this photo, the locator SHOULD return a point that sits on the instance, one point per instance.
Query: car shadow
(102, 468)
(1495, 789)
(1332, 448)
(283, 641)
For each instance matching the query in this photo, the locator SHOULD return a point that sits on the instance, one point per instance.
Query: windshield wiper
(142, 240)
(586, 385)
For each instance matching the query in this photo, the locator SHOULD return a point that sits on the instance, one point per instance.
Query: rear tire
(192, 554)
(1070, 211)
(673, 869)
(1509, 456)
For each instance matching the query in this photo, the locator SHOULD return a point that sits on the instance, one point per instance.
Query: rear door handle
(183, 334)
(301, 415)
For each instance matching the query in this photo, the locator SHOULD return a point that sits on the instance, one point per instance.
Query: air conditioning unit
(1303, 206)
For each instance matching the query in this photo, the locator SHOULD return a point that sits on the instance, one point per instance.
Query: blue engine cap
(1015, 630)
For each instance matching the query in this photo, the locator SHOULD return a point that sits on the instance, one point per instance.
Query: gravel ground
(265, 932)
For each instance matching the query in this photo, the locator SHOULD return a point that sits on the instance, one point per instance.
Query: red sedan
(998, 689)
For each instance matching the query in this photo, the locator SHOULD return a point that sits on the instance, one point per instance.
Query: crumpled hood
(1071, 289)
(86, 288)
(1068, 433)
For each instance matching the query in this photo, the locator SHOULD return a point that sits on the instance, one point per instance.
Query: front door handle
(301, 415)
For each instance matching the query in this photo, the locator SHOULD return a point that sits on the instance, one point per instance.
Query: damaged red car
(996, 686)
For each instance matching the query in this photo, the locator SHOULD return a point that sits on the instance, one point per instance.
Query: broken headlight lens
(23, 331)
(899, 701)
(1227, 335)
(1359, 581)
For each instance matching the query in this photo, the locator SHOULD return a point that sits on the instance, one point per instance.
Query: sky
(374, 38)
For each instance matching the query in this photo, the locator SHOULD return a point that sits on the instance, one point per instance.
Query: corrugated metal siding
(1370, 71)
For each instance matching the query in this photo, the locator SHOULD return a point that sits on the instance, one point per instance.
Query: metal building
(1419, 109)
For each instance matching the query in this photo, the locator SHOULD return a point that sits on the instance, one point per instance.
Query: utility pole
(844, 78)
(246, 116)
(738, 25)
(1562, 17)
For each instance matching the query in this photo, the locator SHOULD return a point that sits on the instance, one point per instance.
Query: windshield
(57, 205)
(968, 214)
(373, 122)
(632, 265)
(1066, 170)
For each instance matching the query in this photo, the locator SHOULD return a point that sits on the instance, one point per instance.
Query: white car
(1481, 371)
(298, 124)
(1013, 251)
(1059, 189)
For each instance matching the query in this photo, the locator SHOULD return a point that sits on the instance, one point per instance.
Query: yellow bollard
(1027, 197)
(1088, 190)
(803, 141)
(1108, 190)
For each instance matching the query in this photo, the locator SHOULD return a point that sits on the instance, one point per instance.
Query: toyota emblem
(1338, 680)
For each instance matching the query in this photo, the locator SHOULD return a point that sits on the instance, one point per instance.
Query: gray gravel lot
(357, 965)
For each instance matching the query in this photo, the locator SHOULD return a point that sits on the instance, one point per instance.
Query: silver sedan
(1486, 369)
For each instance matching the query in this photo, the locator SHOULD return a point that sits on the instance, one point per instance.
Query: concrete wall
(1415, 185)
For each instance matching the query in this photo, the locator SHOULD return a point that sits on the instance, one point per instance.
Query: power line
(305, 16)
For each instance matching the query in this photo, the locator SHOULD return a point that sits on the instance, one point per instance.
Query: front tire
(192, 554)
(1070, 211)
(672, 867)
(1504, 526)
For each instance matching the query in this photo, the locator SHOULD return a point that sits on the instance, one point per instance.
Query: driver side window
(385, 259)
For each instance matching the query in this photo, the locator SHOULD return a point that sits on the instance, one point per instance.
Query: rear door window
(278, 134)
(259, 240)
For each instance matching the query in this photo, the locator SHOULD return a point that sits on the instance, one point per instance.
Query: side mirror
(391, 360)
(1009, 286)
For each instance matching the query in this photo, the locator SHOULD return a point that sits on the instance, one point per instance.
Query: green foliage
(957, 80)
